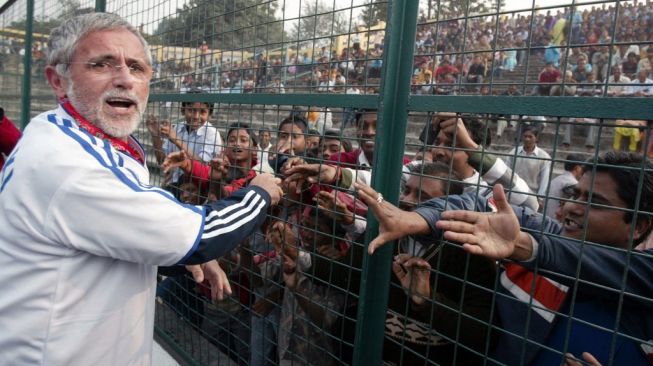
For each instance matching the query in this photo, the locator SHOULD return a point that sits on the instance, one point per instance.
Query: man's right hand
(270, 184)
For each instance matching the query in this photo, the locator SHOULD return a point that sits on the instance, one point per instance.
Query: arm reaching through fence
(393, 222)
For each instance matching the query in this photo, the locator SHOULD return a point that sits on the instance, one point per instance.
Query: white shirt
(205, 143)
(618, 89)
(78, 276)
(534, 168)
(637, 86)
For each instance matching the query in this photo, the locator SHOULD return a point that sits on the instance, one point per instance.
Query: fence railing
(377, 74)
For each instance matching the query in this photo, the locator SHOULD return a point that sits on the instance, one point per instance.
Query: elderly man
(579, 286)
(81, 230)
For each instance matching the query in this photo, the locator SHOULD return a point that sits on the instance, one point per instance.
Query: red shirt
(549, 77)
(9, 136)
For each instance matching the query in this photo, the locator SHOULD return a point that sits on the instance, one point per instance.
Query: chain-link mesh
(433, 104)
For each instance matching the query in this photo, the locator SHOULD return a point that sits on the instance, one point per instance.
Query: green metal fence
(405, 63)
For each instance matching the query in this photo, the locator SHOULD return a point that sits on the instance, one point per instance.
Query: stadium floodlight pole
(393, 103)
(26, 93)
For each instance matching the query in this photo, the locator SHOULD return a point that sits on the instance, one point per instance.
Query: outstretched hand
(494, 235)
(313, 173)
(570, 360)
(178, 159)
(414, 275)
(211, 272)
(393, 222)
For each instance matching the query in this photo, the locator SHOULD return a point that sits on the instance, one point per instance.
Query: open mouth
(572, 225)
(120, 103)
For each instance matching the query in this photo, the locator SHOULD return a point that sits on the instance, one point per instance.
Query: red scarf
(92, 129)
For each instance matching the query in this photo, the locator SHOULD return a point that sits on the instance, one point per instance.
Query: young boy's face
(291, 140)
(331, 147)
(313, 142)
(239, 145)
(264, 137)
(196, 114)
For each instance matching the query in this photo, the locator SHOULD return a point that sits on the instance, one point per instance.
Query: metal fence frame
(394, 102)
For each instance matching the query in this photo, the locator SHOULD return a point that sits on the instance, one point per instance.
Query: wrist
(523, 250)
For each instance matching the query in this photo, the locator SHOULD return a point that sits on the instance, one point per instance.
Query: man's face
(265, 138)
(239, 145)
(419, 189)
(443, 152)
(331, 147)
(367, 132)
(196, 115)
(617, 73)
(597, 224)
(291, 140)
(113, 100)
(528, 139)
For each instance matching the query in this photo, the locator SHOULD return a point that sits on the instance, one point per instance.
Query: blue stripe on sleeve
(114, 169)
(11, 174)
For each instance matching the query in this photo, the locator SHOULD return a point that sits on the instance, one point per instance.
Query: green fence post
(26, 94)
(100, 6)
(391, 134)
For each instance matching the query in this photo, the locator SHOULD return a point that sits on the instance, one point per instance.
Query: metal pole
(391, 134)
(26, 93)
(100, 6)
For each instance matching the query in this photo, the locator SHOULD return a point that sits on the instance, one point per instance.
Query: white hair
(63, 39)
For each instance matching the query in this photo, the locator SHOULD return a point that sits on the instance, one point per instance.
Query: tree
(459, 8)
(318, 21)
(223, 24)
(373, 12)
(317, 24)
(45, 23)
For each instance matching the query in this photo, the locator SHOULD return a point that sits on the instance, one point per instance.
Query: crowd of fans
(587, 50)
(296, 282)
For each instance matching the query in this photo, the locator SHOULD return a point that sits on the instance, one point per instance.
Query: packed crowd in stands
(296, 282)
(585, 51)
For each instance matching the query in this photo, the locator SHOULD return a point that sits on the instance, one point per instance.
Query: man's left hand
(211, 272)
(494, 235)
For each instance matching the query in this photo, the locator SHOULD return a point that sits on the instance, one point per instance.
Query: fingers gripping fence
(436, 105)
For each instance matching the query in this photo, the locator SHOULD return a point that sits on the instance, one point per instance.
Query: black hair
(185, 105)
(626, 170)
(451, 181)
(332, 134)
(264, 129)
(313, 132)
(574, 160)
(360, 112)
(296, 120)
(532, 129)
(243, 126)
(478, 131)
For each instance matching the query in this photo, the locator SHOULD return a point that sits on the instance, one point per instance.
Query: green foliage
(373, 12)
(45, 23)
(318, 22)
(223, 24)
